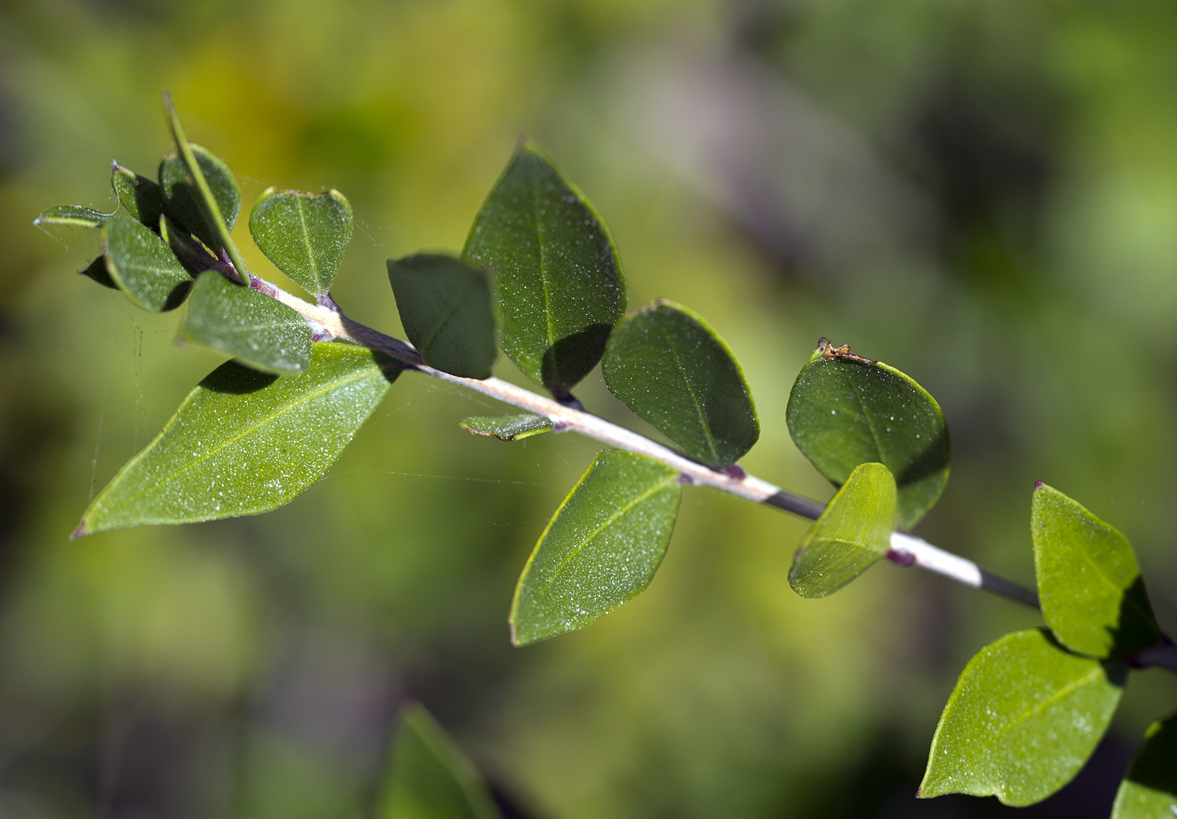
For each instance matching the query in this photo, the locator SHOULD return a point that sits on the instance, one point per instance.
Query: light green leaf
(669, 367)
(303, 234)
(258, 330)
(72, 216)
(601, 548)
(507, 427)
(445, 309)
(1149, 791)
(558, 286)
(184, 201)
(244, 442)
(430, 778)
(1025, 716)
(853, 532)
(139, 195)
(846, 410)
(143, 266)
(1089, 583)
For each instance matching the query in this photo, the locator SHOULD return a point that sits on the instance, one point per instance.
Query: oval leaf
(72, 216)
(444, 306)
(601, 548)
(1025, 716)
(846, 410)
(557, 280)
(244, 442)
(303, 234)
(669, 367)
(257, 330)
(139, 195)
(1089, 583)
(1149, 791)
(184, 203)
(143, 266)
(430, 778)
(853, 532)
(507, 427)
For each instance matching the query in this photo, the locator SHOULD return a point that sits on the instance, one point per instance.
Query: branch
(328, 322)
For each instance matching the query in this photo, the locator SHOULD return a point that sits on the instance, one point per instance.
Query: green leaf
(72, 216)
(852, 533)
(1025, 716)
(507, 427)
(430, 778)
(601, 548)
(669, 367)
(1149, 791)
(258, 330)
(195, 257)
(557, 280)
(143, 266)
(244, 442)
(139, 195)
(303, 234)
(184, 202)
(1089, 583)
(445, 308)
(846, 410)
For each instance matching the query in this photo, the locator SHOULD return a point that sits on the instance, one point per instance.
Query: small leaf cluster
(540, 279)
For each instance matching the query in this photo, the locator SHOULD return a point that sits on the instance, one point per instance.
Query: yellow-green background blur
(981, 194)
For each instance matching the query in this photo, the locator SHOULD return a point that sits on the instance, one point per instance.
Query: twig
(905, 549)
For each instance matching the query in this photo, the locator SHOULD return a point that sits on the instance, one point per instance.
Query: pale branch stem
(331, 323)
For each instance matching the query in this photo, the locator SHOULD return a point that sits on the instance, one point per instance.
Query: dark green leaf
(73, 216)
(1025, 716)
(97, 272)
(445, 308)
(244, 442)
(143, 266)
(507, 427)
(557, 281)
(1149, 791)
(184, 203)
(845, 410)
(601, 548)
(853, 532)
(256, 329)
(669, 367)
(303, 234)
(430, 778)
(139, 195)
(1088, 580)
(195, 257)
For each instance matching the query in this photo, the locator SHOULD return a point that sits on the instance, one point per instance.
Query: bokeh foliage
(982, 195)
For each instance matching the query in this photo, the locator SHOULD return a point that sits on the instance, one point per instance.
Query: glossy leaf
(257, 330)
(444, 306)
(669, 367)
(507, 427)
(303, 234)
(601, 548)
(72, 216)
(558, 286)
(845, 410)
(853, 532)
(1149, 791)
(1025, 716)
(143, 266)
(184, 202)
(430, 778)
(142, 197)
(244, 442)
(1089, 582)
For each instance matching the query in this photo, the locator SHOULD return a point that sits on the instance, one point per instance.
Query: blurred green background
(983, 195)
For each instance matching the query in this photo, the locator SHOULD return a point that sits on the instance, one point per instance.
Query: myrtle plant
(539, 278)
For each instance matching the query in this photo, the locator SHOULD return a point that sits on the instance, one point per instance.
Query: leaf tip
(81, 531)
(1038, 485)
